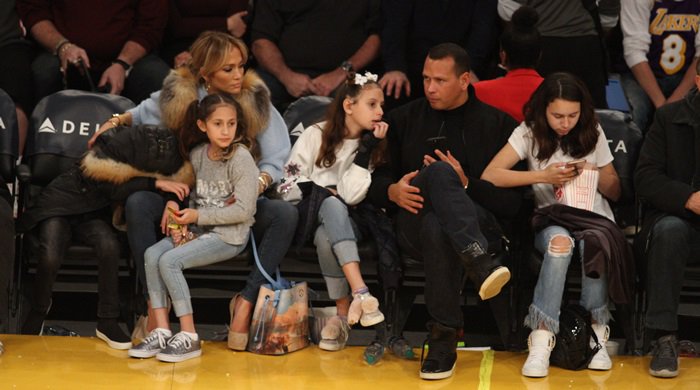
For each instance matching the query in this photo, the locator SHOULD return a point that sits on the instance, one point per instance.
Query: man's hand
(693, 203)
(181, 59)
(393, 82)
(72, 54)
(450, 159)
(235, 24)
(115, 75)
(326, 83)
(405, 195)
(298, 84)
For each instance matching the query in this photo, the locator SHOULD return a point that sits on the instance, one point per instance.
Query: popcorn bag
(579, 192)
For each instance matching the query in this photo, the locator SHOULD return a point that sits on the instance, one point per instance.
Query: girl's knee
(560, 245)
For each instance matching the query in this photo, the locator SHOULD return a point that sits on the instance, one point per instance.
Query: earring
(207, 87)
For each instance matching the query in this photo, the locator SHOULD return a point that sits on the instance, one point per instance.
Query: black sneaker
(108, 330)
(664, 357)
(442, 352)
(487, 273)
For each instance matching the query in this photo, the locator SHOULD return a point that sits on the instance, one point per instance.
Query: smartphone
(578, 164)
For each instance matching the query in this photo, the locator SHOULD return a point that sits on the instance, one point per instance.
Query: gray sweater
(216, 182)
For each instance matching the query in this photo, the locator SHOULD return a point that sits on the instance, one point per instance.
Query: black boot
(487, 273)
(442, 352)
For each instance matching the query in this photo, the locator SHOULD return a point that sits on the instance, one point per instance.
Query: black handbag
(572, 350)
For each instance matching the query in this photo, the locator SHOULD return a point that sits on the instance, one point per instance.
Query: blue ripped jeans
(549, 290)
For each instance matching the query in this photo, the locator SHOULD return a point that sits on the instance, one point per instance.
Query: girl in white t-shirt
(559, 127)
(339, 155)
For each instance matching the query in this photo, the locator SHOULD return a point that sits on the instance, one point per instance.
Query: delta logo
(68, 127)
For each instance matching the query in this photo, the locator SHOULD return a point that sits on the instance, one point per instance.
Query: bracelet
(265, 180)
(60, 45)
(115, 120)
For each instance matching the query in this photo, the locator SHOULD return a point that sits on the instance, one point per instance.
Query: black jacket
(124, 160)
(486, 131)
(668, 170)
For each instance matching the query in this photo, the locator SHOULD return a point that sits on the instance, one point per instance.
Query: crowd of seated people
(448, 158)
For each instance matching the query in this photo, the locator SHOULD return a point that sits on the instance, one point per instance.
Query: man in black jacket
(438, 147)
(667, 179)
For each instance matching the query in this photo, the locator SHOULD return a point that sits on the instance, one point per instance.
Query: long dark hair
(191, 136)
(334, 129)
(582, 139)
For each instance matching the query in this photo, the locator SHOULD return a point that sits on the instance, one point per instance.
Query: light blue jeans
(549, 290)
(641, 107)
(165, 263)
(336, 245)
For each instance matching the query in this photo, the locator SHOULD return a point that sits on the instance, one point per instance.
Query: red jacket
(510, 93)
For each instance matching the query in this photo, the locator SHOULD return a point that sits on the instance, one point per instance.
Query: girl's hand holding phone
(186, 216)
(559, 173)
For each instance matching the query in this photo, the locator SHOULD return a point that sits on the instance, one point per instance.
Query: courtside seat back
(8, 138)
(625, 141)
(304, 112)
(61, 125)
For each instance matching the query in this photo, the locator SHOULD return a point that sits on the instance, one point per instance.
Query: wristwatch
(127, 67)
(346, 66)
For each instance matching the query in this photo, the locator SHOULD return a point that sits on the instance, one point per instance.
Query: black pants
(447, 224)
(55, 235)
(7, 256)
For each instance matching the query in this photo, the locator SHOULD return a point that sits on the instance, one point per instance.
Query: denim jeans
(336, 245)
(143, 210)
(549, 290)
(165, 263)
(275, 223)
(674, 244)
(444, 227)
(55, 235)
(641, 107)
(7, 259)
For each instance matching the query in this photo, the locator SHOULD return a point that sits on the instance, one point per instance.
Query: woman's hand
(379, 129)
(186, 216)
(178, 235)
(179, 189)
(558, 174)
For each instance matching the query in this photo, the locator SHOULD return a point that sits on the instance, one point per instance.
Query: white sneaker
(540, 345)
(601, 360)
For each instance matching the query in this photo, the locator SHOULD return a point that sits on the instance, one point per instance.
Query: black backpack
(572, 350)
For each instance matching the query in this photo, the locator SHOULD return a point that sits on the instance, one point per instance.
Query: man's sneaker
(153, 343)
(334, 334)
(664, 357)
(108, 330)
(487, 273)
(180, 348)
(540, 344)
(365, 308)
(601, 360)
(442, 352)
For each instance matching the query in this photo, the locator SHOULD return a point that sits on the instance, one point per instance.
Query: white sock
(192, 336)
(166, 332)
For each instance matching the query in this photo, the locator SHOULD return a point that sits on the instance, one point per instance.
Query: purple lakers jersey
(672, 25)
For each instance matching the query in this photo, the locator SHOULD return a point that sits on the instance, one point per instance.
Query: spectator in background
(660, 42)
(189, 18)
(7, 255)
(114, 40)
(412, 27)
(15, 67)
(308, 48)
(571, 38)
(667, 178)
(521, 48)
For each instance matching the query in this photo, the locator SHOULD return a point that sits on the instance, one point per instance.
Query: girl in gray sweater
(222, 206)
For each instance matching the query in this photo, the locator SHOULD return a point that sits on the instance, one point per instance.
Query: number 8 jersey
(662, 32)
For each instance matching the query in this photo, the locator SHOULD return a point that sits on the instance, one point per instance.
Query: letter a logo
(47, 127)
